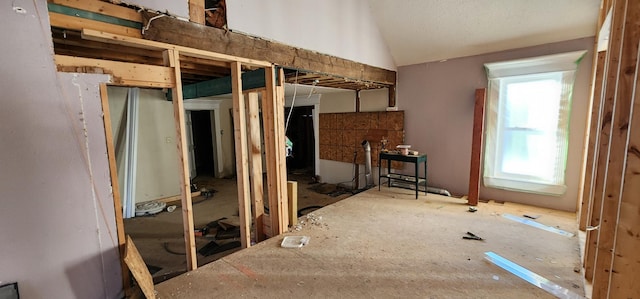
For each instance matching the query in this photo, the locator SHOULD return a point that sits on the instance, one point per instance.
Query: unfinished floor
(386, 244)
(159, 238)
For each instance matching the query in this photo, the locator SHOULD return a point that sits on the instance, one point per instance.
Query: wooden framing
(101, 7)
(138, 268)
(476, 146)
(194, 35)
(77, 23)
(605, 130)
(624, 267)
(123, 73)
(282, 201)
(611, 190)
(172, 60)
(292, 194)
(196, 11)
(115, 187)
(242, 163)
(270, 106)
(257, 189)
(591, 154)
(626, 14)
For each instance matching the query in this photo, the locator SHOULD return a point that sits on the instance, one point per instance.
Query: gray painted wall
(438, 99)
(57, 225)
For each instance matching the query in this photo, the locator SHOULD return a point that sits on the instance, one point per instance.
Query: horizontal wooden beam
(85, 14)
(123, 73)
(106, 37)
(174, 31)
(104, 8)
(77, 23)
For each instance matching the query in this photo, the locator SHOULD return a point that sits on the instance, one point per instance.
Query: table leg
(388, 172)
(425, 178)
(417, 177)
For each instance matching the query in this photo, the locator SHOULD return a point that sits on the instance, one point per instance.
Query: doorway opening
(202, 143)
(301, 133)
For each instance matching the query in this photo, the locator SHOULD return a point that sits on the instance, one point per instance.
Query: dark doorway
(300, 132)
(202, 142)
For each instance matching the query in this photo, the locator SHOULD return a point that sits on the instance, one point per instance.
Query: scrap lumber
(139, 269)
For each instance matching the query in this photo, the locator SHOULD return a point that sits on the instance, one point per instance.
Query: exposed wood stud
(115, 187)
(255, 145)
(123, 73)
(292, 194)
(476, 146)
(271, 150)
(591, 149)
(357, 100)
(172, 60)
(77, 23)
(626, 15)
(242, 163)
(283, 205)
(102, 7)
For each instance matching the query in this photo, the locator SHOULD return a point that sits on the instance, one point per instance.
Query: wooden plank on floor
(624, 279)
(255, 143)
(115, 187)
(139, 269)
(476, 146)
(77, 23)
(292, 194)
(122, 73)
(623, 94)
(271, 150)
(172, 60)
(591, 154)
(242, 163)
(177, 197)
(605, 131)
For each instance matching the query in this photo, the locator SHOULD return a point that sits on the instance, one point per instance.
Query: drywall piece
(531, 277)
(538, 225)
(57, 220)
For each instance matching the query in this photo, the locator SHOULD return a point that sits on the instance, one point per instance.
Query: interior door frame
(212, 105)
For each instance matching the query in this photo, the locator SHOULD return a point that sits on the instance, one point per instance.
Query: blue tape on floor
(531, 277)
(537, 225)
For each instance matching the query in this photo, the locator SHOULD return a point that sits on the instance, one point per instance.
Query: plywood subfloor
(385, 244)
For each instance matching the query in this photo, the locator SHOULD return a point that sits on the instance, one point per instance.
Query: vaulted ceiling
(419, 31)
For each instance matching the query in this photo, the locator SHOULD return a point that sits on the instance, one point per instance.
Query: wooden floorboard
(385, 244)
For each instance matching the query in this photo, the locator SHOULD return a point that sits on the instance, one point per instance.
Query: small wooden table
(415, 159)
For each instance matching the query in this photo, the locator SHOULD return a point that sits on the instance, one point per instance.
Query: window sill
(525, 186)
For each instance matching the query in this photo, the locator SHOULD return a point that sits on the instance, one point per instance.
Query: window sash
(500, 75)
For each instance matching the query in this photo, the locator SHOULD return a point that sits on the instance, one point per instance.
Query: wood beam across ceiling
(174, 31)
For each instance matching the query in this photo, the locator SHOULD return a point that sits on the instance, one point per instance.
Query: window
(527, 126)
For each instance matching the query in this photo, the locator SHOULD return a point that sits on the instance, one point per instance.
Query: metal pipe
(367, 164)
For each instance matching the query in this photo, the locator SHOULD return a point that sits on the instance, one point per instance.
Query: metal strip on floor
(538, 225)
(531, 277)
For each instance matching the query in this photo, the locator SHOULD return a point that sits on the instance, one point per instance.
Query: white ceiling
(418, 31)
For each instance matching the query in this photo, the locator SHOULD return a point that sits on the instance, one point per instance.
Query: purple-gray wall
(438, 99)
(57, 225)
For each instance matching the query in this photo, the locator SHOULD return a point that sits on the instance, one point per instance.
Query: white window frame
(499, 75)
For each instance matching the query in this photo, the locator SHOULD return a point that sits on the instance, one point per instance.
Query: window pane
(528, 153)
